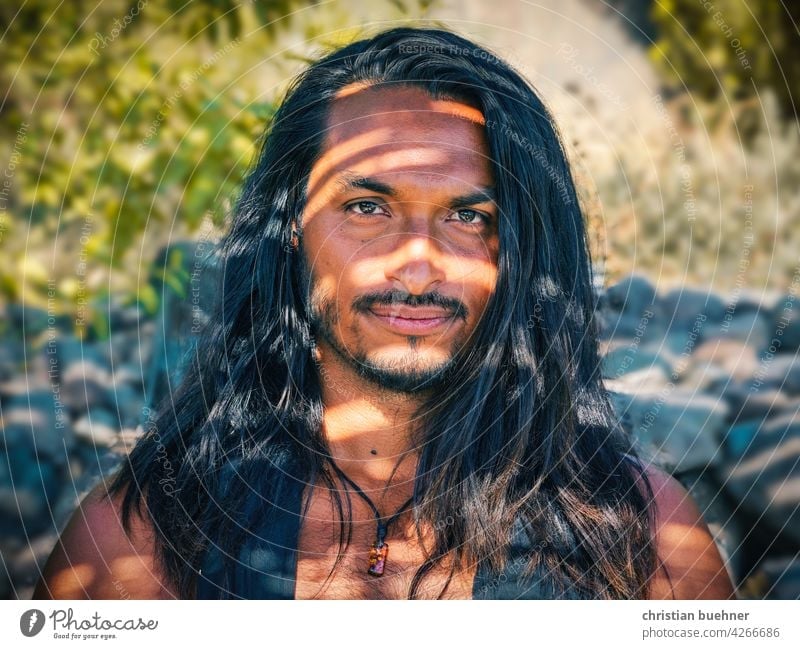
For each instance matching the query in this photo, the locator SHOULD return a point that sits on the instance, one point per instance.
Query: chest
(318, 544)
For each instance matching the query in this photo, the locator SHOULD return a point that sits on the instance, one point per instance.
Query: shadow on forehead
(398, 128)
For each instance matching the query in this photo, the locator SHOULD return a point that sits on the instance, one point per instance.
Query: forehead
(400, 129)
(359, 105)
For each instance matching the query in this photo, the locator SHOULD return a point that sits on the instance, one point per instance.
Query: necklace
(380, 549)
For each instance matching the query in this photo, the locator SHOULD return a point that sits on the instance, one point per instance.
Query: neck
(367, 428)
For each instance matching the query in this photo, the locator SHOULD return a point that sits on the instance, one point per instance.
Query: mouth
(411, 320)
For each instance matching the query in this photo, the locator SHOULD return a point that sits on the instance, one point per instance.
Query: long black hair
(525, 431)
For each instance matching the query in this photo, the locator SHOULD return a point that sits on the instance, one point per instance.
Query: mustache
(395, 298)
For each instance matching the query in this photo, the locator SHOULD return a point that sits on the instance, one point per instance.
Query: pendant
(377, 559)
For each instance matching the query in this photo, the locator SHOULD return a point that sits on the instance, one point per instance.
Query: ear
(295, 240)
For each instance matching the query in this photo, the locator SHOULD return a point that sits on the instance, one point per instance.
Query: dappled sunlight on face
(400, 233)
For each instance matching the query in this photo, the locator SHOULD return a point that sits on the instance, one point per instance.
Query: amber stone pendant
(377, 559)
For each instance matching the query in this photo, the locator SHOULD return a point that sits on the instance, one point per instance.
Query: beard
(408, 372)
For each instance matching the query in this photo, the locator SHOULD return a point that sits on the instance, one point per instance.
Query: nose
(415, 265)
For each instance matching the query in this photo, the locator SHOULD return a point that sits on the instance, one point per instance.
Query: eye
(364, 208)
(473, 217)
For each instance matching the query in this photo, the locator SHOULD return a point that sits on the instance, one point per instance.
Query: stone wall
(710, 388)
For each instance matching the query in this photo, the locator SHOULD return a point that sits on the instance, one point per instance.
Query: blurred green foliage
(127, 125)
(729, 49)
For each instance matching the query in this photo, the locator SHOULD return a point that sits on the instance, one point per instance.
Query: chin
(406, 372)
(400, 358)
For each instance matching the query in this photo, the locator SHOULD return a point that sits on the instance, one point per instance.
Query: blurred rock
(706, 377)
(627, 310)
(121, 348)
(11, 360)
(69, 350)
(734, 357)
(70, 498)
(644, 328)
(765, 479)
(781, 577)
(631, 295)
(751, 327)
(738, 438)
(32, 484)
(5, 471)
(747, 404)
(85, 384)
(127, 403)
(143, 353)
(37, 420)
(130, 374)
(678, 346)
(683, 307)
(6, 591)
(98, 428)
(651, 378)
(24, 511)
(747, 300)
(29, 320)
(124, 318)
(676, 428)
(28, 563)
(625, 360)
(99, 462)
(781, 372)
(786, 317)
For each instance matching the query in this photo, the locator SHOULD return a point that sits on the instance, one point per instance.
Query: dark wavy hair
(526, 428)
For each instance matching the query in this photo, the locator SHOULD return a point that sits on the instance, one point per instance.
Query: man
(399, 396)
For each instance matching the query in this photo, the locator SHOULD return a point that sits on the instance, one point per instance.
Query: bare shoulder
(684, 544)
(94, 558)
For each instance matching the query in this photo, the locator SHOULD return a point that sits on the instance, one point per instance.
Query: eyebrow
(348, 181)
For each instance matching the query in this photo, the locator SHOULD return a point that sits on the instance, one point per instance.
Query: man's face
(400, 234)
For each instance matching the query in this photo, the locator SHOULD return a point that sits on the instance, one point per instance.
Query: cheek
(479, 304)
(479, 285)
(326, 257)
(479, 275)
(338, 276)
(350, 262)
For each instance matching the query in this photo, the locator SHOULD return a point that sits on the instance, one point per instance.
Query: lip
(407, 320)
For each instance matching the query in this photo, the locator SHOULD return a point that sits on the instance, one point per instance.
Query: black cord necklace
(380, 549)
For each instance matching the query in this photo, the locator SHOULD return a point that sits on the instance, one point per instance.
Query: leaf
(148, 298)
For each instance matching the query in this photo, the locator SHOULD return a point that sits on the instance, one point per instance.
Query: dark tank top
(266, 566)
